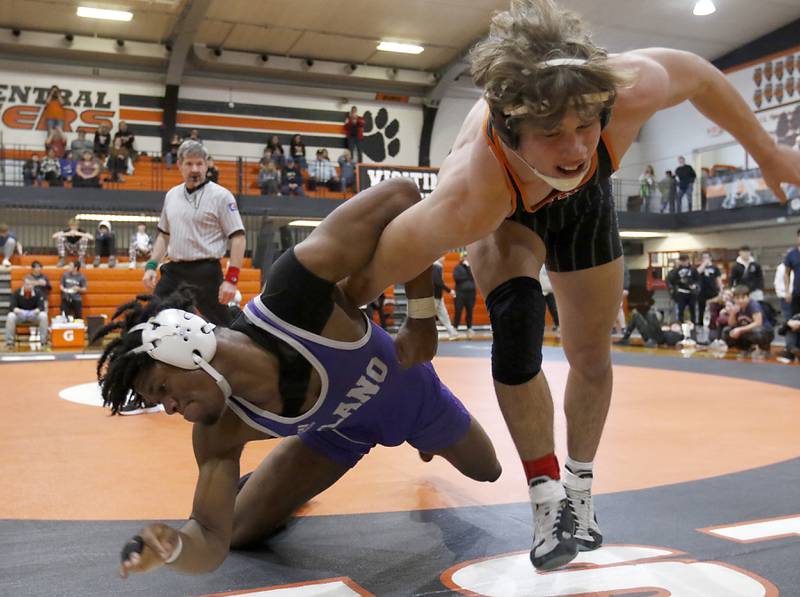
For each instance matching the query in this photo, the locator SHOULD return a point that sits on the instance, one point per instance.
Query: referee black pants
(205, 276)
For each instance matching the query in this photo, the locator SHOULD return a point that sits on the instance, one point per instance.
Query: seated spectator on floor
(791, 331)
(27, 306)
(102, 142)
(747, 327)
(212, 174)
(67, 164)
(31, 171)
(72, 240)
(321, 171)
(57, 142)
(292, 178)
(8, 244)
(117, 161)
(297, 151)
(347, 171)
(87, 171)
(172, 153)
(716, 318)
(73, 287)
(652, 331)
(105, 244)
(269, 179)
(81, 144)
(51, 169)
(141, 246)
(41, 281)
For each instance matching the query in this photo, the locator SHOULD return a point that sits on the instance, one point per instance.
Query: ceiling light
(103, 13)
(306, 223)
(704, 8)
(392, 46)
(641, 234)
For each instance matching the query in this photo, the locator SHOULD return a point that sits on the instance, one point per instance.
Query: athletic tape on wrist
(232, 275)
(422, 308)
(175, 552)
(152, 264)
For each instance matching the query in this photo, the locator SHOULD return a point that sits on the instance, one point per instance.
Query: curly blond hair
(508, 64)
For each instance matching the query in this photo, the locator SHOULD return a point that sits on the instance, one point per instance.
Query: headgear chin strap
(183, 340)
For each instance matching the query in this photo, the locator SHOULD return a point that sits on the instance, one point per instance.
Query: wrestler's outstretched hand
(416, 341)
(782, 165)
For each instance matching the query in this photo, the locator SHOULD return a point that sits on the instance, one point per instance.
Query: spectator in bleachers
(31, 171)
(54, 114)
(72, 240)
(51, 169)
(652, 331)
(683, 282)
(354, 132)
(668, 189)
(439, 288)
(710, 284)
(57, 142)
(266, 157)
(269, 178)
(27, 306)
(748, 272)
(297, 151)
(747, 327)
(647, 187)
(172, 154)
(117, 161)
(212, 174)
(67, 164)
(347, 171)
(87, 171)
(686, 177)
(292, 178)
(194, 135)
(126, 136)
(280, 159)
(8, 243)
(465, 293)
(102, 142)
(81, 144)
(792, 263)
(322, 171)
(791, 330)
(41, 281)
(141, 245)
(275, 144)
(784, 290)
(73, 287)
(105, 244)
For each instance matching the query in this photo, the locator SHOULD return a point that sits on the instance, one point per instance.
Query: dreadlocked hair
(118, 367)
(508, 66)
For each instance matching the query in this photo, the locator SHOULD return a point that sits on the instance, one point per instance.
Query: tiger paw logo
(376, 145)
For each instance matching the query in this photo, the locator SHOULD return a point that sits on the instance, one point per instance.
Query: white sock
(544, 489)
(576, 467)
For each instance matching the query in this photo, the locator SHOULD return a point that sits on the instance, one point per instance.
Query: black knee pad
(516, 309)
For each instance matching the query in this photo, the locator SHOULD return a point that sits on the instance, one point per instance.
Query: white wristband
(422, 308)
(175, 552)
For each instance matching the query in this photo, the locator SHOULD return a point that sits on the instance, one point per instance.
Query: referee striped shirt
(199, 223)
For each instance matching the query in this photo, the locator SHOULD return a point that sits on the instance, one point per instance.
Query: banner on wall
(22, 107)
(744, 188)
(368, 175)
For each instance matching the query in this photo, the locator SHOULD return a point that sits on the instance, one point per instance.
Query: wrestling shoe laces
(553, 535)
(579, 494)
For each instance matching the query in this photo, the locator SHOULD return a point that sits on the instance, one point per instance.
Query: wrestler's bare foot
(416, 341)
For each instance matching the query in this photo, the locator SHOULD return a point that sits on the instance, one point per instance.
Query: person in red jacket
(354, 129)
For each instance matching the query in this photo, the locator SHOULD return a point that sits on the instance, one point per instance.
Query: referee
(197, 219)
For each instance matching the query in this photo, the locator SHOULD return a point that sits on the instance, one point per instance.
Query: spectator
(549, 297)
(626, 285)
(279, 158)
(292, 180)
(72, 240)
(718, 318)
(266, 157)
(141, 245)
(54, 113)
(747, 327)
(275, 144)
(652, 331)
(41, 281)
(269, 178)
(791, 330)
(27, 306)
(439, 288)
(57, 142)
(354, 131)
(781, 288)
(465, 293)
(792, 263)
(297, 151)
(194, 135)
(67, 164)
(347, 171)
(704, 173)
(81, 144)
(105, 244)
(9, 244)
(683, 283)
(686, 177)
(668, 189)
(73, 287)
(126, 136)
(710, 284)
(172, 154)
(212, 174)
(87, 171)
(102, 142)
(31, 171)
(748, 272)
(321, 171)
(647, 187)
(117, 160)
(51, 169)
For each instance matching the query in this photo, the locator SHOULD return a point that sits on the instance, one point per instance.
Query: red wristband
(233, 275)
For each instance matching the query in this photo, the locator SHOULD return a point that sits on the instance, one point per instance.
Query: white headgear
(183, 340)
